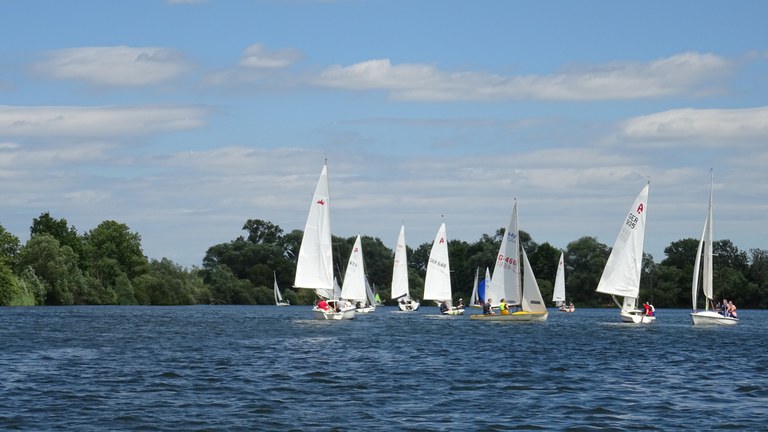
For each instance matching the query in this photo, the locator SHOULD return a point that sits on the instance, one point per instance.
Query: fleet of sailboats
(621, 275)
(703, 263)
(513, 281)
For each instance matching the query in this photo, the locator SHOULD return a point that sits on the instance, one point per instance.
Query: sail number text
(632, 221)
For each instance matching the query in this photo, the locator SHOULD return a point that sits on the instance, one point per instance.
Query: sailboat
(437, 283)
(478, 289)
(400, 288)
(704, 253)
(353, 288)
(621, 275)
(279, 298)
(314, 267)
(507, 283)
(558, 296)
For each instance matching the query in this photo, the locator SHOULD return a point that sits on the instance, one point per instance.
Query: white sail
(437, 283)
(621, 276)
(704, 264)
(353, 286)
(704, 254)
(314, 268)
(473, 297)
(558, 296)
(278, 296)
(400, 269)
(505, 282)
(532, 300)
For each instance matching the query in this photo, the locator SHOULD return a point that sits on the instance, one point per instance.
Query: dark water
(228, 368)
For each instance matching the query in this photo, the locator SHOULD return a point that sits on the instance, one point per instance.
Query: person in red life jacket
(322, 304)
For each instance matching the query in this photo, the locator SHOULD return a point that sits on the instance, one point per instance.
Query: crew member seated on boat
(488, 307)
(322, 304)
(444, 307)
(461, 304)
(503, 307)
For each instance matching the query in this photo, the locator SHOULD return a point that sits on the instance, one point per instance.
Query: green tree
(544, 262)
(585, 259)
(58, 229)
(112, 249)
(9, 286)
(9, 247)
(56, 266)
(260, 231)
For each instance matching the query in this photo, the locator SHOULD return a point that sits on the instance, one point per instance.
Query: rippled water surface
(233, 368)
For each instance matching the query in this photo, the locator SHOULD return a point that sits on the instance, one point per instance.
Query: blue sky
(183, 119)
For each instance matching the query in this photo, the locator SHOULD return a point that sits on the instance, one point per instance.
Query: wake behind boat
(704, 253)
(621, 275)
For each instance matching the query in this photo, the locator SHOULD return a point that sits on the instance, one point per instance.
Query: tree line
(107, 266)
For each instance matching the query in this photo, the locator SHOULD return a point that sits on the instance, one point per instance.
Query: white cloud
(678, 74)
(699, 126)
(118, 66)
(258, 56)
(97, 122)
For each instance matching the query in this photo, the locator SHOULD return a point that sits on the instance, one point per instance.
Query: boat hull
(332, 315)
(366, 309)
(712, 318)
(454, 311)
(520, 316)
(409, 306)
(636, 317)
(282, 304)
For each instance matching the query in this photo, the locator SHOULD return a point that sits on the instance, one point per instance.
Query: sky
(183, 119)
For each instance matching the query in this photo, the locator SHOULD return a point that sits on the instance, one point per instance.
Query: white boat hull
(283, 304)
(344, 314)
(636, 317)
(366, 309)
(454, 311)
(409, 306)
(712, 318)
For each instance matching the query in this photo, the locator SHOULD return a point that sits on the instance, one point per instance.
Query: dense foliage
(106, 265)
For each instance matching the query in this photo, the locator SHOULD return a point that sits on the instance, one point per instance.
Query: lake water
(245, 368)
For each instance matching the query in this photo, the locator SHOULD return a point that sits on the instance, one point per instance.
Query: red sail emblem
(321, 202)
(442, 240)
(640, 208)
